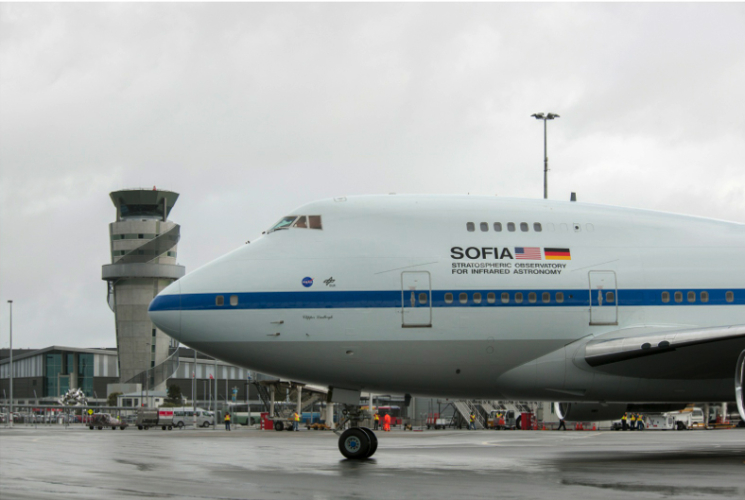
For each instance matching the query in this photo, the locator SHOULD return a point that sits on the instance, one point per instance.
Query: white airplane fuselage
(395, 294)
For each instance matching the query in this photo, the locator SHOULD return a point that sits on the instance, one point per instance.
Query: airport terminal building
(42, 376)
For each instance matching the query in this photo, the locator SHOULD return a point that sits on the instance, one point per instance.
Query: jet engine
(739, 381)
(589, 412)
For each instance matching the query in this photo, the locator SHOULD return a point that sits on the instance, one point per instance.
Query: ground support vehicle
(184, 417)
(153, 417)
(101, 420)
(435, 421)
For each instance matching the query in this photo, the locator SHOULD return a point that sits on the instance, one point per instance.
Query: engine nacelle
(739, 381)
(589, 412)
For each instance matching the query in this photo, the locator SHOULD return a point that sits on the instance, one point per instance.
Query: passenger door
(603, 298)
(416, 299)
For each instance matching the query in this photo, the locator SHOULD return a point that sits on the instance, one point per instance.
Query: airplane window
(678, 296)
(491, 298)
(511, 227)
(220, 300)
(550, 227)
(285, 223)
(532, 297)
(498, 226)
(537, 227)
(691, 296)
(610, 297)
(665, 297)
(546, 297)
(505, 298)
(233, 300)
(422, 298)
(448, 298)
(559, 297)
(519, 298)
(704, 296)
(463, 298)
(563, 227)
(484, 227)
(470, 227)
(314, 222)
(524, 227)
(590, 228)
(730, 296)
(477, 298)
(301, 221)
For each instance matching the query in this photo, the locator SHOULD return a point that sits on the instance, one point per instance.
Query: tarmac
(54, 462)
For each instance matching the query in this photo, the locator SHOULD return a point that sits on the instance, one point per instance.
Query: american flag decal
(528, 253)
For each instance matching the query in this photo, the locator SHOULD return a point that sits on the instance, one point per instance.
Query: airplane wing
(677, 353)
(603, 351)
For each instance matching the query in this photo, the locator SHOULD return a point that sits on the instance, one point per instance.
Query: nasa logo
(307, 282)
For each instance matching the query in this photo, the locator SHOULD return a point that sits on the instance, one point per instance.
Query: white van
(184, 417)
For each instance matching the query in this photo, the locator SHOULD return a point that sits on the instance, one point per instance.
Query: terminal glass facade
(63, 370)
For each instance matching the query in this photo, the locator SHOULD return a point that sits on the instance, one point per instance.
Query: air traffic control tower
(143, 262)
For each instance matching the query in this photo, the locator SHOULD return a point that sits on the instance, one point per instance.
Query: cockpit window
(300, 222)
(314, 222)
(284, 223)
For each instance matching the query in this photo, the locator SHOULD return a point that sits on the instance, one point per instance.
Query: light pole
(547, 116)
(10, 415)
(147, 375)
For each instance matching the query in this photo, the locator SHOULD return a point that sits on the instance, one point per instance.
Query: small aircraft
(590, 306)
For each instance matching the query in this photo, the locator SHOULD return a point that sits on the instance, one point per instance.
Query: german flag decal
(557, 254)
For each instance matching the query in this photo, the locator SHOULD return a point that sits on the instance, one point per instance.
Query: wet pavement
(250, 464)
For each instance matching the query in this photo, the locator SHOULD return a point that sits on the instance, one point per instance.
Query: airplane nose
(165, 310)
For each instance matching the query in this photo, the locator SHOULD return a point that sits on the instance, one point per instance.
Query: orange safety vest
(473, 417)
(297, 417)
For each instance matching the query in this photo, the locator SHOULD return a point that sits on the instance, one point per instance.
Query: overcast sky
(250, 110)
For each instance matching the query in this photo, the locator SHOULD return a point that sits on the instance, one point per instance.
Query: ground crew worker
(387, 423)
(227, 421)
(632, 422)
(473, 422)
(377, 421)
(295, 421)
(639, 422)
(624, 423)
(562, 424)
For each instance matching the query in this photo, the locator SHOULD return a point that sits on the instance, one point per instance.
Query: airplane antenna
(547, 116)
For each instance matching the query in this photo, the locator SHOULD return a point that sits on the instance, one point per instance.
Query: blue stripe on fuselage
(392, 298)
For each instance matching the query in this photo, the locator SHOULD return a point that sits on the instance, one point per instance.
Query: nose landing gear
(357, 443)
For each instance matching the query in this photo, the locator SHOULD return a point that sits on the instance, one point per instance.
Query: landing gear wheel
(279, 426)
(373, 441)
(354, 444)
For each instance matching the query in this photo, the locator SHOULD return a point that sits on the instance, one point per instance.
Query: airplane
(591, 307)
